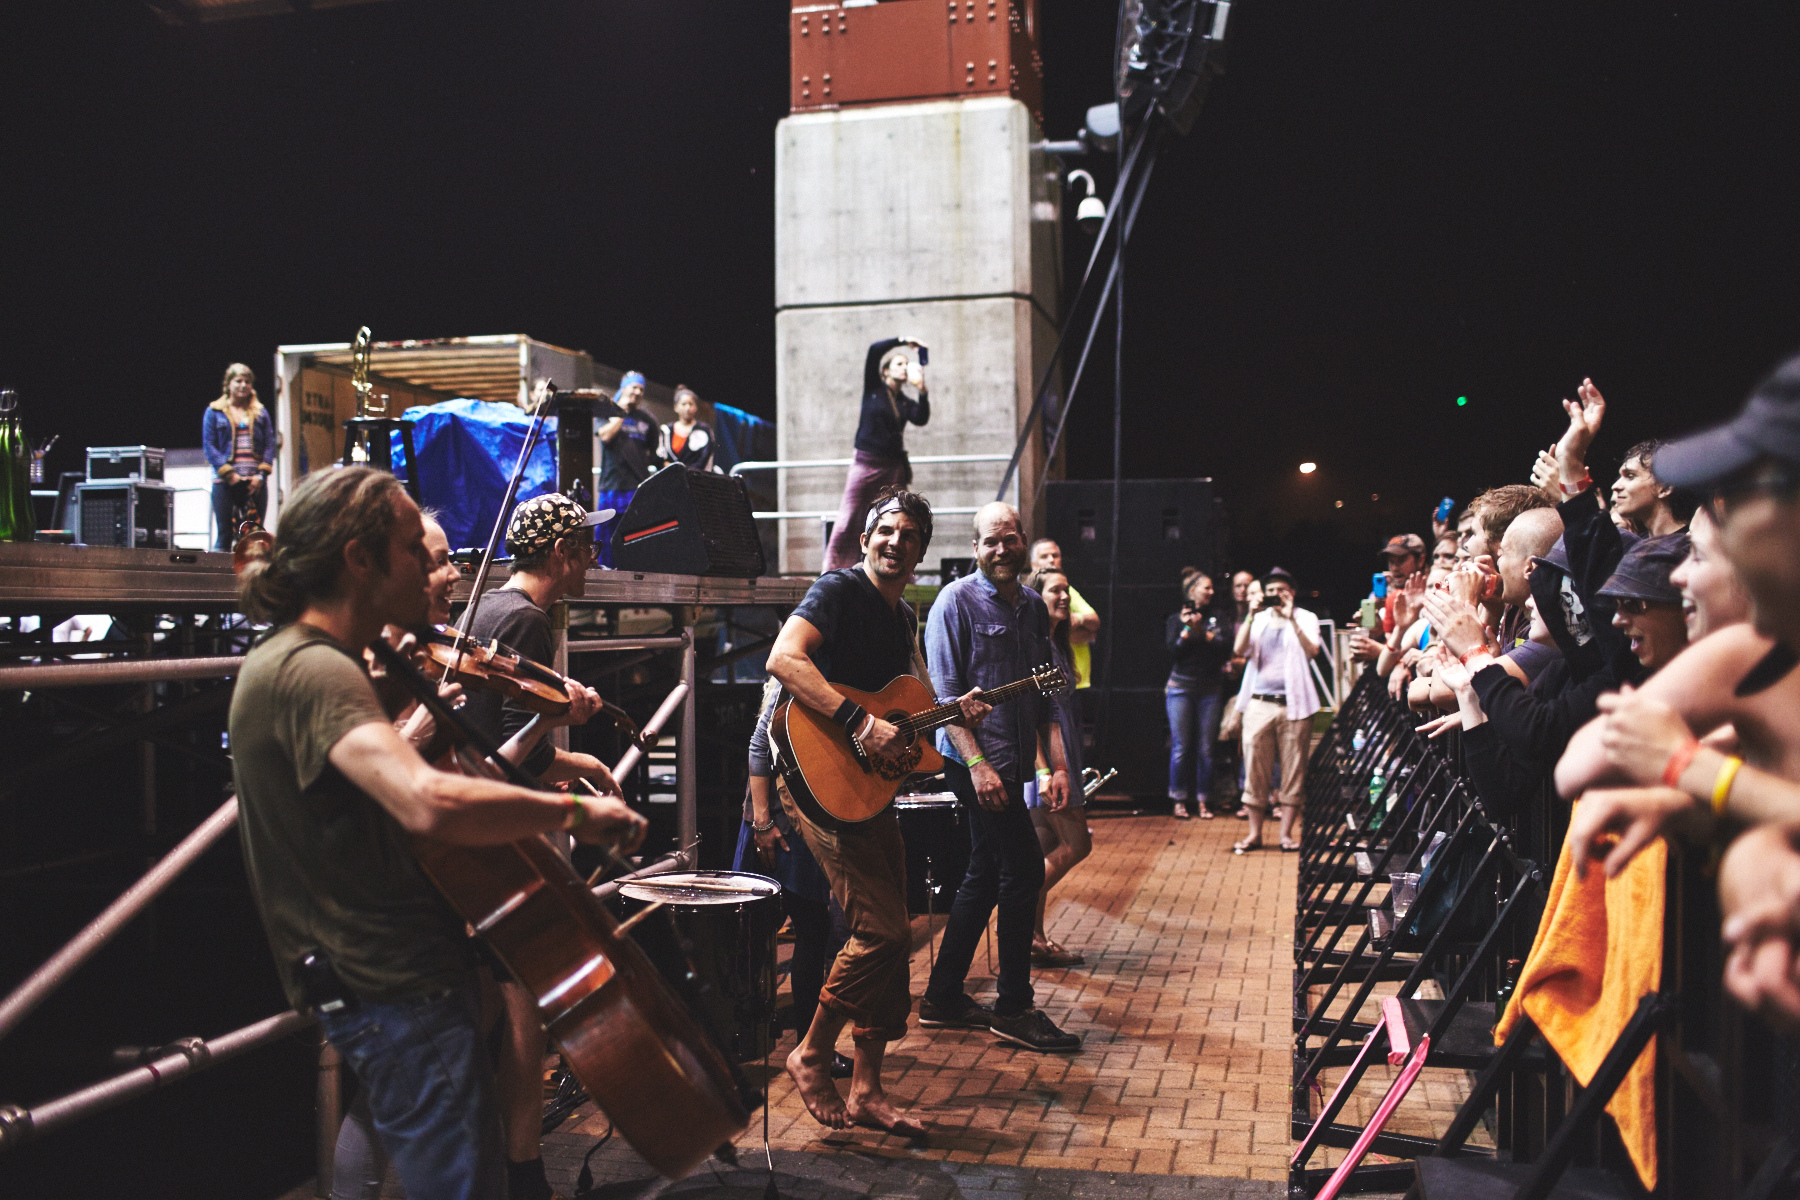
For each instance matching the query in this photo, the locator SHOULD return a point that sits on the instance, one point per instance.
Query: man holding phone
(1405, 555)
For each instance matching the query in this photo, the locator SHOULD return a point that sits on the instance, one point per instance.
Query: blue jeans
(1193, 727)
(1006, 867)
(224, 496)
(430, 1089)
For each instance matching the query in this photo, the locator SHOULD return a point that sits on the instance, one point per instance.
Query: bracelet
(576, 815)
(1044, 773)
(1678, 762)
(979, 758)
(1581, 485)
(1466, 655)
(755, 828)
(1722, 783)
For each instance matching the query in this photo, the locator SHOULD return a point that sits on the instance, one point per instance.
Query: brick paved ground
(1183, 1083)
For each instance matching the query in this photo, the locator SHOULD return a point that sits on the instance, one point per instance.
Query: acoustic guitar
(837, 781)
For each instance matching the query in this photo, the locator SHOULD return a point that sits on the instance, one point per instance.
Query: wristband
(1581, 485)
(849, 714)
(1722, 783)
(1466, 655)
(755, 828)
(1044, 773)
(1678, 763)
(979, 758)
(576, 815)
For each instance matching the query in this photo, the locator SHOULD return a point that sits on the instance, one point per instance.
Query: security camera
(1091, 212)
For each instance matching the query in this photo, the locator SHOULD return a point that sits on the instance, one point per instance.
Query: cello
(623, 1033)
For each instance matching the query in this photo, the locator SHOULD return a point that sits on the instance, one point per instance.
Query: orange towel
(1597, 952)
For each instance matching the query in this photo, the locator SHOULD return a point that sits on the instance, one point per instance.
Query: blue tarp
(467, 450)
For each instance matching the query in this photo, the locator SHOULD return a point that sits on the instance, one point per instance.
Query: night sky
(1384, 206)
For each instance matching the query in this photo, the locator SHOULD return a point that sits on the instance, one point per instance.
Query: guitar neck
(944, 714)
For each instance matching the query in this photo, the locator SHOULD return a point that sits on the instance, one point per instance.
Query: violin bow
(477, 588)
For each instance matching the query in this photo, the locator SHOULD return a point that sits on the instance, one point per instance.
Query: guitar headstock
(1050, 680)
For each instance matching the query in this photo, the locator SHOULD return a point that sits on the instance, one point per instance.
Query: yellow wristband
(1722, 784)
(979, 758)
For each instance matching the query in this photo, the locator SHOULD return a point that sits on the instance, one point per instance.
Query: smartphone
(1370, 616)
(1446, 506)
(924, 356)
(1380, 585)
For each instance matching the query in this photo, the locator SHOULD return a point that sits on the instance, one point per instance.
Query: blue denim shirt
(975, 639)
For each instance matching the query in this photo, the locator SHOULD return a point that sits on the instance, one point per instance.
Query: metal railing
(918, 460)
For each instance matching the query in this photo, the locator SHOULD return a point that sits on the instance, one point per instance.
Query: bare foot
(812, 1076)
(874, 1111)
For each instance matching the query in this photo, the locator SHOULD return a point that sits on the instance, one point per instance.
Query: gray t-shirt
(330, 869)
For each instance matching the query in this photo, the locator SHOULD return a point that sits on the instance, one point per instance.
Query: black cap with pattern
(538, 522)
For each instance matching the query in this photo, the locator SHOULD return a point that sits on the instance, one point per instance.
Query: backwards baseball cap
(1403, 544)
(1769, 425)
(538, 522)
(1643, 574)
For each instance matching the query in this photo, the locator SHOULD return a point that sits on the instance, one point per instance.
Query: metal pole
(101, 929)
(88, 674)
(331, 1116)
(687, 761)
(19, 1125)
(591, 645)
(559, 661)
(629, 760)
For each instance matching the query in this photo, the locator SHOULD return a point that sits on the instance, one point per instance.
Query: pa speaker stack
(1165, 525)
(685, 522)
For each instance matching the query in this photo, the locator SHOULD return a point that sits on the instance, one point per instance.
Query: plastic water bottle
(1358, 740)
(1377, 785)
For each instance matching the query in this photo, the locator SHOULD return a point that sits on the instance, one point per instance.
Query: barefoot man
(854, 629)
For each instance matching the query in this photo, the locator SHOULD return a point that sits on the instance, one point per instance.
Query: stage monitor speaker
(1167, 524)
(1133, 735)
(683, 522)
(575, 448)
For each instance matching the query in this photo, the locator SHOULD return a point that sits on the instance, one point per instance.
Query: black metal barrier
(1384, 801)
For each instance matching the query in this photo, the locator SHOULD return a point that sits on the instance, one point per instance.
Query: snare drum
(728, 920)
(937, 849)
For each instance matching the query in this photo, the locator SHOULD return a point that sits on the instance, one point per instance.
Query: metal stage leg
(687, 762)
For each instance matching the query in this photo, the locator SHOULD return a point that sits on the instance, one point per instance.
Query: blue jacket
(216, 435)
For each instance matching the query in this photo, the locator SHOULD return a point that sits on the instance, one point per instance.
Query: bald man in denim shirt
(987, 630)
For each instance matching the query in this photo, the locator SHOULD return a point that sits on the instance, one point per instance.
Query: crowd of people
(1628, 647)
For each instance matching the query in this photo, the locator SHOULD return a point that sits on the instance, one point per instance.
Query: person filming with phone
(880, 460)
(1277, 701)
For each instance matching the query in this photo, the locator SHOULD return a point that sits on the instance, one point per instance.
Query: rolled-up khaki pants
(1268, 732)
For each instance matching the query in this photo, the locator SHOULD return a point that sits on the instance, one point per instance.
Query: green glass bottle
(9, 434)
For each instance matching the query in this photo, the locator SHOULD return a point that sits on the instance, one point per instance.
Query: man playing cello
(330, 796)
(854, 629)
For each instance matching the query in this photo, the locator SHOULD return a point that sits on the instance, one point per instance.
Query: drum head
(689, 889)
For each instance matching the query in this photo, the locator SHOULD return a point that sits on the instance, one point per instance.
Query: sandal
(1290, 847)
(1050, 954)
(1206, 814)
(1245, 846)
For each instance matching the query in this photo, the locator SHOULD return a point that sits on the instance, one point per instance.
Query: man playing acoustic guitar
(854, 629)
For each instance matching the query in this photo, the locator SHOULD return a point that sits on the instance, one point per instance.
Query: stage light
(1308, 468)
(1091, 212)
(1340, 504)
(1462, 402)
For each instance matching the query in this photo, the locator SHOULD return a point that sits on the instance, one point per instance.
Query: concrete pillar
(936, 220)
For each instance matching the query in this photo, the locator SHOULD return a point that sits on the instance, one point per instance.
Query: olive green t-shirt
(331, 870)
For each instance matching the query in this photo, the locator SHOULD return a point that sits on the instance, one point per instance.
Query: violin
(253, 542)
(447, 654)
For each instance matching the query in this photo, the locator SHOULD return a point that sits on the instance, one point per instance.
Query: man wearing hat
(1647, 606)
(1404, 554)
(1277, 700)
(551, 541)
(628, 437)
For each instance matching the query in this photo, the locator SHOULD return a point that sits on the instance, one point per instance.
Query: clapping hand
(1408, 599)
(1586, 412)
(1759, 889)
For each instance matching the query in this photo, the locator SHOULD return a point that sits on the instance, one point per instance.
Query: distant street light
(1308, 468)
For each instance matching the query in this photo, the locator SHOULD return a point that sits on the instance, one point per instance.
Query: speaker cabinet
(1166, 524)
(575, 448)
(683, 522)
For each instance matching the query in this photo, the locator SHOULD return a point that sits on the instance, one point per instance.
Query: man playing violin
(854, 629)
(551, 541)
(330, 797)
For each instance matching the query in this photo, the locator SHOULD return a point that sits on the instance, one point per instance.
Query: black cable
(584, 1182)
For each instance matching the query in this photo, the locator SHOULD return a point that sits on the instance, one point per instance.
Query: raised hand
(1585, 415)
(1408, 599)
(1543, 471)
(1457, 621)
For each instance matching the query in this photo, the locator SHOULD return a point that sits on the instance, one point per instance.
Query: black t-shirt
(866, 642)
(509, 614)
(625, 461)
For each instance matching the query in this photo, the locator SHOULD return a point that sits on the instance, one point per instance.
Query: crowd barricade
(1407, 877)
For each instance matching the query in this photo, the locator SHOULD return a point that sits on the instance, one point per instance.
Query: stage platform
(44, 579)
(1180, 1091)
